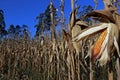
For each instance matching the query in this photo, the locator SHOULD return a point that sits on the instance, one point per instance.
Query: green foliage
(2, 18)
(44, 20)
(11, 29)
(18, 31)
(3, 32)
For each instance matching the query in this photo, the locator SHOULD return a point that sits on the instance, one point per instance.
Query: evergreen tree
(11, 31)
(18, 31)
(2, 22)
(3, 32)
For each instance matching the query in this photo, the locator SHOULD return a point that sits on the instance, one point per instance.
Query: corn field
(68, 55)
(25, 59)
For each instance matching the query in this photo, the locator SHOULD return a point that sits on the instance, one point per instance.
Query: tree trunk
(62, 14)
(53, 38)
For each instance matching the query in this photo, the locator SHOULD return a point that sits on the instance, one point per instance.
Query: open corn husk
(108, 39)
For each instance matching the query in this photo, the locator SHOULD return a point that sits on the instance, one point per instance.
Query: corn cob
(98, 45)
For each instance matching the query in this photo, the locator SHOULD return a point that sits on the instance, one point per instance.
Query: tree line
(43, 23)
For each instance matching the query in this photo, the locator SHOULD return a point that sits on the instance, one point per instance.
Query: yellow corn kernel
(98, 44)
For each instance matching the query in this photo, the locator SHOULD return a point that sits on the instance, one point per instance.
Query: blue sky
(19, 12)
